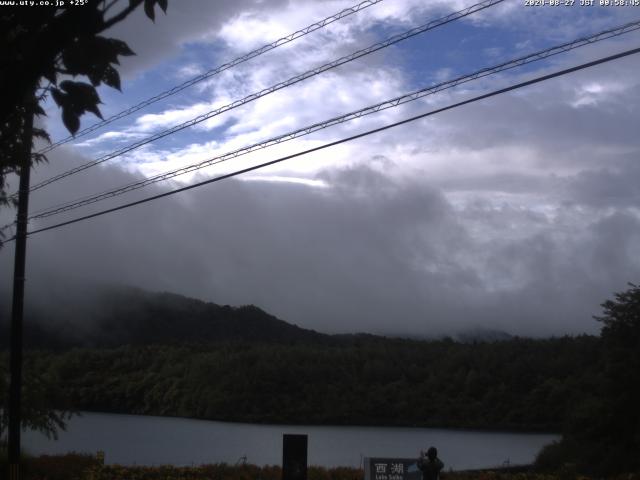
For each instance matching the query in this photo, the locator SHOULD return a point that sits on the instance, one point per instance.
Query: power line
(394, 102)
(293, 80)
(214, 71)
(344, 140)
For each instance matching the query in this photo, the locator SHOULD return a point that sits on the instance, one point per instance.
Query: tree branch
(120, 16)
(106, 8)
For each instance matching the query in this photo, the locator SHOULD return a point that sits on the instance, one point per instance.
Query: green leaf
(81, 93)
(88, 51)
(92, 55)
(148, 9)
(75, 57)
(121, 47)
(39, 158)
(105, 50)
(95, 77)
(82, 97)
(95, 110)
(59, 97)
(39, 111)
(111, 77)
(50, 74)
(71, 120)
(40, 133)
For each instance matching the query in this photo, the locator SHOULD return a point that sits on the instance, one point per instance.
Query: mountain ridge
(133, 316)
(111, 316)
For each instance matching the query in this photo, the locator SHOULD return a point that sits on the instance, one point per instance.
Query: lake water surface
(145, 440)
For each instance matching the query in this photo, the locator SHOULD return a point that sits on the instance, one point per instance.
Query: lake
(146, 440)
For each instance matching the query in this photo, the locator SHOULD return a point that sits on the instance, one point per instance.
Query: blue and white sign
(391, 469)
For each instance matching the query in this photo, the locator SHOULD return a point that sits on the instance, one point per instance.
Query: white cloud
(189, 71)
(282, 179)
(110, 136)
(595, 92)
(168, 118)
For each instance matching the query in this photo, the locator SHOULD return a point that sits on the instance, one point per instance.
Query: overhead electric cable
(214, 71)
(430, 90)
(293, 80)
(344, 140)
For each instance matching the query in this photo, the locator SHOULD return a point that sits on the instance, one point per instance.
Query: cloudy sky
(519, 213)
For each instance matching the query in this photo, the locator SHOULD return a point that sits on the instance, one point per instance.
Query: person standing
(430, 464)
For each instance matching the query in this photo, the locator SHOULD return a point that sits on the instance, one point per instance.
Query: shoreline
(487, 430)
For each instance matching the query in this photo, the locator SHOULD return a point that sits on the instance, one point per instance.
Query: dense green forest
(516, 384)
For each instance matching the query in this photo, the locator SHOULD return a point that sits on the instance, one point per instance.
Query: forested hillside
(130, 351)
(516, 384)
(114, 316)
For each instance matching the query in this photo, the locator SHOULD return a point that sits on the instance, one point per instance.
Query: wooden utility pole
(17, 307)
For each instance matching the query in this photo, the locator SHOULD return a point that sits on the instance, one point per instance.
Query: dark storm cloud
(563, 121)
(567, 273)
(508, 182)
(369, 253)
(609, 186)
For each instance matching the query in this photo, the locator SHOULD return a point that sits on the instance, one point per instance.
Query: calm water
(141, 440)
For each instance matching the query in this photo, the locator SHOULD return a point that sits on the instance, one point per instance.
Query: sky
(518, 213)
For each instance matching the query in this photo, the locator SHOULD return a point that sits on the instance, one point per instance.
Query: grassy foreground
(87, 467)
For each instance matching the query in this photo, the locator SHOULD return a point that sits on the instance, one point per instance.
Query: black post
(17, 308)
(294, 457)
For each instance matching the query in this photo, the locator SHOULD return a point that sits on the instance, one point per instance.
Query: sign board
(391, 469)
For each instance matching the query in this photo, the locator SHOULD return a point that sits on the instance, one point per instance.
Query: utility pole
(17, 307)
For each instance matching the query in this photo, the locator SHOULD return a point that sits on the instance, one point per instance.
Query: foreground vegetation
(86, 467)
